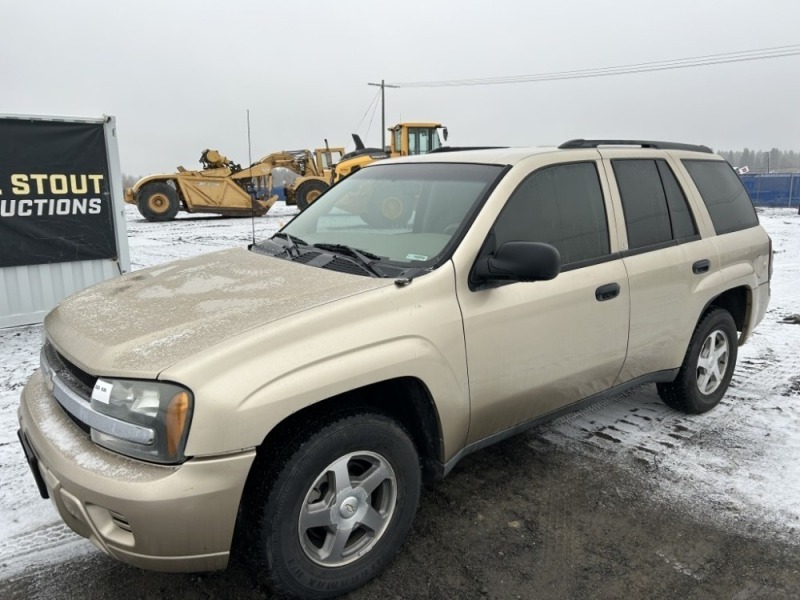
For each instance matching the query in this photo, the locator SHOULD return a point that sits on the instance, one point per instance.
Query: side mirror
(520, 261)
(444, 133)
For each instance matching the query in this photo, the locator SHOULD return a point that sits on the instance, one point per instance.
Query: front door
(535, 347)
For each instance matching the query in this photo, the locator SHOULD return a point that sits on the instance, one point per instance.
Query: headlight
(164, 408)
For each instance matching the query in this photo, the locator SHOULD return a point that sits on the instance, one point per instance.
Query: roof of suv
(513, 155)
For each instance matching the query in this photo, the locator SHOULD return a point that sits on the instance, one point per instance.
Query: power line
(679, 63)
(374, 101)
(372, 116)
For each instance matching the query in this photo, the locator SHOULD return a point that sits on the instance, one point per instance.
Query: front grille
(78, 380)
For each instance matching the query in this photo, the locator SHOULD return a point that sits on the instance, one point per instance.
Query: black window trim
(685, 199)
(590, 262)
(660, 246)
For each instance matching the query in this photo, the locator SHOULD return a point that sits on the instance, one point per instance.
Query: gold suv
(292, 395)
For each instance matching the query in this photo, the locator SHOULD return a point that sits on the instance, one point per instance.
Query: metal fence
(773, 189)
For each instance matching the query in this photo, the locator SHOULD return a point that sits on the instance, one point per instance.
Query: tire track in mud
(635, 422)
(733, 464)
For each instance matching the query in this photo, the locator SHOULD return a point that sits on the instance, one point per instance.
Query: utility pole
(383, 85)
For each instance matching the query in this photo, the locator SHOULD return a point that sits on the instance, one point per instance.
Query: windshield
(403, 215)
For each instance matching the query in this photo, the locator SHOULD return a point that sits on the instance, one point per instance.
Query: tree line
(760, 161)
(129, 180)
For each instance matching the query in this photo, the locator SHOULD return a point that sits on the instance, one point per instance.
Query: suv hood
(139, 324)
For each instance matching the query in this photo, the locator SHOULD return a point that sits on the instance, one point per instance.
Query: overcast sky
(179, 75)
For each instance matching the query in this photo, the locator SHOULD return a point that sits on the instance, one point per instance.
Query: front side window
(724, 195)
(561, 205)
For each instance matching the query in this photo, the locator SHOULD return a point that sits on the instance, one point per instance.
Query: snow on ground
(737, 465)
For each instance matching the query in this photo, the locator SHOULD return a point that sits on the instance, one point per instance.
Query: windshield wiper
(364, 257)
(293, 242)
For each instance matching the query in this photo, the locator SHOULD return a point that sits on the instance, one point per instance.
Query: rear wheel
(158, 201)
(309, 191)
(707, 367)
(335, 513)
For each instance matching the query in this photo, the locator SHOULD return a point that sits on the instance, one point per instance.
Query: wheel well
(173, 183)
(736, 301)
(406, 400)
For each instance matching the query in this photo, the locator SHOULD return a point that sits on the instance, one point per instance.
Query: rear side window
(561, 205)
(724, 195)
(655, 207)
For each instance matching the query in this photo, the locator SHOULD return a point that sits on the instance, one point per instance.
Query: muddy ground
(524, 519)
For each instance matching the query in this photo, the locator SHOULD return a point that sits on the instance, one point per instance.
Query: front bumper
(162, 518)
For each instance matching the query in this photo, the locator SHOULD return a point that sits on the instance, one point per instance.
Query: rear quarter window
(724, 195)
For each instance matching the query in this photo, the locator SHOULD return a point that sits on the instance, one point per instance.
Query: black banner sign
(55, 193)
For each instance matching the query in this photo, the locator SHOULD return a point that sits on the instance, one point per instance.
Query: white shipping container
(29, 292)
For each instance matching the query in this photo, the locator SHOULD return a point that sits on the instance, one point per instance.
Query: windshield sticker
(416, 257)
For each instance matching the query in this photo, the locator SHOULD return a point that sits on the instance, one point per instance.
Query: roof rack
(463, 148)
(579, 143)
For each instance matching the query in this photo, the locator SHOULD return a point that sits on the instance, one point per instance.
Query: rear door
(535, 347)
(672, 270)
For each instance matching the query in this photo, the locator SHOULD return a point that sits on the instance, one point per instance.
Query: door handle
(701, 266)
(607, 291)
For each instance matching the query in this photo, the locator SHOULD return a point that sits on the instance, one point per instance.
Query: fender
(255, 380)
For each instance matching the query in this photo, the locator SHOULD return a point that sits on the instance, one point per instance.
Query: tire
(158, 201)
(707, 367)
(308, 192)
(391, 211)
(319, 536)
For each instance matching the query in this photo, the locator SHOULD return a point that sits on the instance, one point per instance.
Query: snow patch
(736, 466)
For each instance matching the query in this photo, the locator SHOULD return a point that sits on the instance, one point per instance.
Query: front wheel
(158, 201)
(308, 192)
(707, 367)
(339, 508)
(388, 212)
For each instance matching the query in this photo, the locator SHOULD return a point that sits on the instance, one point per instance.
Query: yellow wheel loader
(408, 138)
(315, 174)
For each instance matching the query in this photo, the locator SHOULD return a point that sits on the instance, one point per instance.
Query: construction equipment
(224, 188)
(314, 171)
(408, 138)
